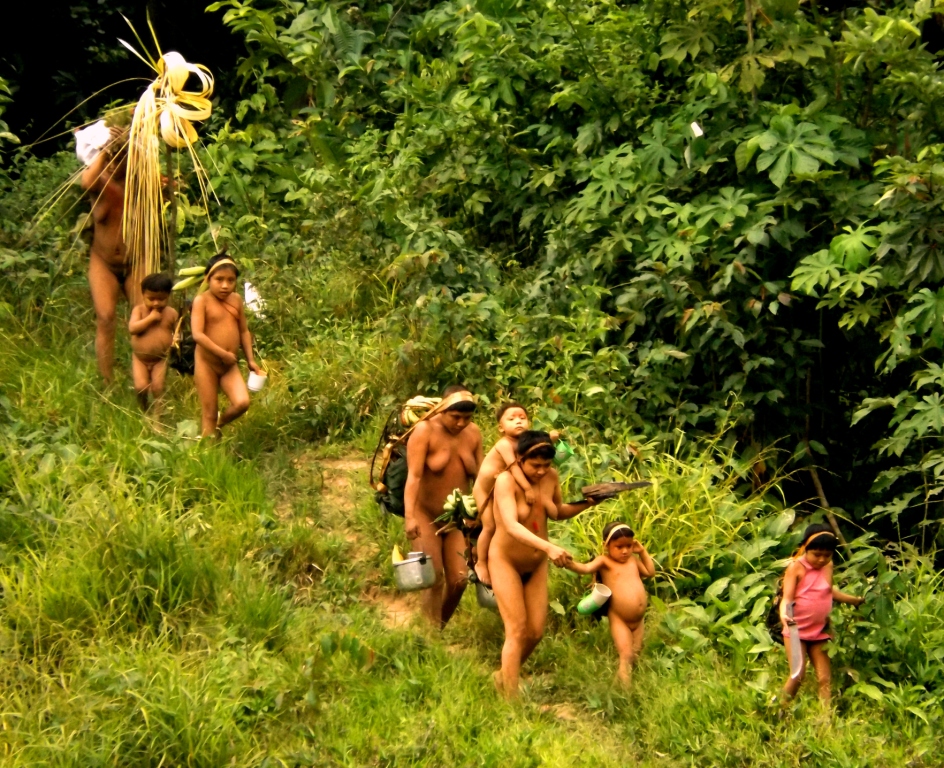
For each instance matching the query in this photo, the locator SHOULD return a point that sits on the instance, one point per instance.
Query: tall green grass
(173, 603)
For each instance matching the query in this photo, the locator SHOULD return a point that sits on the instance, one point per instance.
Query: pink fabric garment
(813, 603)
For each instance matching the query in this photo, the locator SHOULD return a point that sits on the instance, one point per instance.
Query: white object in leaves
(254, 302)
(696, 129)
(796, 649)
(91, 140)
(687, 154)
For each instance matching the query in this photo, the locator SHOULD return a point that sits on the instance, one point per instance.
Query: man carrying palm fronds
(109, 272)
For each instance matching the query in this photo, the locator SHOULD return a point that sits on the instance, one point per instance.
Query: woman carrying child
(513, 421)
(520, 550)
(808, 586)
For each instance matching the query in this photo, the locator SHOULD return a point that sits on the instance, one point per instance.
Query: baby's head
(618, 541)
(513, 420)
(155, 289)
(220, 276)
(819, 544)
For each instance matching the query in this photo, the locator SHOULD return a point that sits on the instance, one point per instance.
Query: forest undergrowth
(701, 237)
(169, 602)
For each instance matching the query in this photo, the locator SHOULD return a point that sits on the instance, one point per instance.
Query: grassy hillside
(167, 602)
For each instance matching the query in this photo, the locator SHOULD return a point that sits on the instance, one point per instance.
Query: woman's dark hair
(464, 406)
(507, 407)
(157, 282)
(530, 445)
(610, 527)
(219, 257)
(819, 536)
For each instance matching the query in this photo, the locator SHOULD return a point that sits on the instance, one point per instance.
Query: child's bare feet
(481, 573)
(624, 675)
(499, 683)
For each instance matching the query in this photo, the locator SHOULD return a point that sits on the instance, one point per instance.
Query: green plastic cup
(564, 452)
(595, 600)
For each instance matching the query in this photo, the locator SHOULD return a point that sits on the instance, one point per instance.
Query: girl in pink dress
(808, 583)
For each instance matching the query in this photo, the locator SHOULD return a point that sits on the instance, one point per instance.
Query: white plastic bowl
(255, 382)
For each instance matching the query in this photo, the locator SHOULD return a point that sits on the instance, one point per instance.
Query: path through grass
(168, 603)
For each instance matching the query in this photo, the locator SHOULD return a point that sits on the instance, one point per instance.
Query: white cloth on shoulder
(91, 140)
(254, 302)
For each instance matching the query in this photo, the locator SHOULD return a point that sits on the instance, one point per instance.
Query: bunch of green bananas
(458, 507)
(192, 276)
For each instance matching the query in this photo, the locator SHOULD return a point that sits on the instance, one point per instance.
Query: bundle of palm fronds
(166, 110)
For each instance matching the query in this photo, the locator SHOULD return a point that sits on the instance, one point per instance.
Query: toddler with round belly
(622, 569)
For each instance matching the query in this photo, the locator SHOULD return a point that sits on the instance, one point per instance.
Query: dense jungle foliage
(640, 215)
(703, 238)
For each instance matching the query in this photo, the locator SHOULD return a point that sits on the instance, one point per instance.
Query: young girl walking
(219, 328)
(808, 587)
(622, 569)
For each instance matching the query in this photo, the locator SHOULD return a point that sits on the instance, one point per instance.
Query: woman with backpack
(444, 454)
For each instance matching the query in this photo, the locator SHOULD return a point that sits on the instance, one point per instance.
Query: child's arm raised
(142, 319)
(198, 323)
(586, 568)
(245, 338)
(647, 568)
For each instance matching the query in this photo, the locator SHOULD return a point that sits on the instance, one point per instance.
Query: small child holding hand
(219, 329)
(513, 421)
(152, 333)
(622, 569)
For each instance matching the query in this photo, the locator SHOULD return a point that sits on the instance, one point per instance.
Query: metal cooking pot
(485, 596)
(416, 572)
